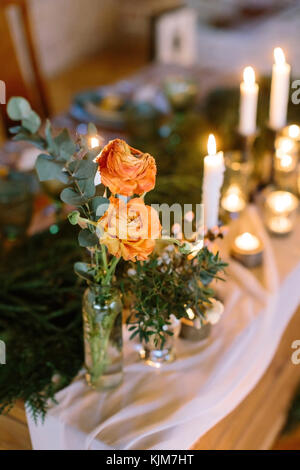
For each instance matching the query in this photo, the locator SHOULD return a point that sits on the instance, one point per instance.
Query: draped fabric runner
(171, 408)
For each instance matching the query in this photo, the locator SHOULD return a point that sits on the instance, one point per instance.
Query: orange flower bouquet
(113, 225)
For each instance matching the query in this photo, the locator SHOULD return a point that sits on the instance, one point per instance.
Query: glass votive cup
(233, 201)
(236, 185)
(280, 212)
(247, 248)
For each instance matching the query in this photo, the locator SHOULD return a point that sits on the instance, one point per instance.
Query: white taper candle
(279, 90)
(248, 103)
(212, 183)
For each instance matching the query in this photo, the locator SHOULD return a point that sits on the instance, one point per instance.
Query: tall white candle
(279, 90)
(212, 182)
(248, 103)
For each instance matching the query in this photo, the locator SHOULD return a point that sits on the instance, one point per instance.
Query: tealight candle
(280, 225)
(247, 249)
(233, 200)
(212, 182)
(280, 207)
(279, 90)
(282, 202)
(248, 103)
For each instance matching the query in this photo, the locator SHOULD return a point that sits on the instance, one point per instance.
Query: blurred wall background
(230, 32)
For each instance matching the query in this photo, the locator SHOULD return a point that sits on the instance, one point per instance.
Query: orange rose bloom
(129, 229)
(125, 170)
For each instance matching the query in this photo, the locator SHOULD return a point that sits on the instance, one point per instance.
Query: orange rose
(125, 170)
(129, 229)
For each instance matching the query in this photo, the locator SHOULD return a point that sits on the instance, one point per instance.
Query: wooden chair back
(11, 72)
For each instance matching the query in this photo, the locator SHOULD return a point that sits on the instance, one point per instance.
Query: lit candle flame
(279, 56)
(286, 161)
(249, 76)
(94, 142)
(285, 145)
(211, 145)
(294, 131)
(247, 242)
(282, 201)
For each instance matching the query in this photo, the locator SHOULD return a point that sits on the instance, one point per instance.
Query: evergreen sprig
(168, 285)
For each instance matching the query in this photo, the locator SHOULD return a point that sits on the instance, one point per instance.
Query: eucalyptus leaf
(83, 169)
(84, 270)
(92, 154)
(87, 238)
(65, 145)
(18, 108)
(87, 187)
(73, 217)
(69, 196)
(32, 123)
(49, 169)
(15, 129)
(99, 206)
(52, 147)
(35, 140)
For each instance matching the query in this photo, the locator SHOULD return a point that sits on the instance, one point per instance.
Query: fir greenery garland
(40, 319)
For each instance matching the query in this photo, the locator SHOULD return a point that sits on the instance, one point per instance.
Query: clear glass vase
(156, 355)
(102, 324)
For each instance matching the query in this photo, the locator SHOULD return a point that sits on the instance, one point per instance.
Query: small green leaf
(52, 147)
(65, 145)
(73, 217)
(99, 206)
(35, 140)
(32, 123)
(18, 108)
(87, 238)
(49, 169)
(92, 154)
(69, 196)
(15, 129)
(83, 169)
(84, 270)
(87, 187)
